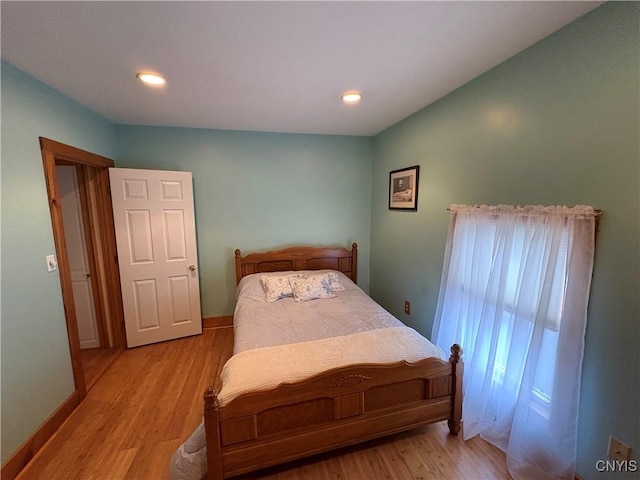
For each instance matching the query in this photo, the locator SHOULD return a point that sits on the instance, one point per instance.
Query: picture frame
(403, 188)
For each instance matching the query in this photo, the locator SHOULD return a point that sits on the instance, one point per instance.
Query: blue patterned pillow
(311, 288)
(334, 281)
(276, 288)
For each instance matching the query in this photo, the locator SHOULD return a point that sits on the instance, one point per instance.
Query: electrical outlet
(618, 450)
(407, 307)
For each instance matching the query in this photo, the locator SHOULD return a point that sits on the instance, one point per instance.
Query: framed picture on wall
(403, 188)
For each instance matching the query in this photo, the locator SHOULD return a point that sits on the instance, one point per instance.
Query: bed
(325, 373)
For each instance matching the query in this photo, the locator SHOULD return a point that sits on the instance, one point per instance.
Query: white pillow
(311, 288)
(334, 281)
(276, 288)
(332, 278)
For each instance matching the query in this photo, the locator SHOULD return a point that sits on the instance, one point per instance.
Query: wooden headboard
(299, 258)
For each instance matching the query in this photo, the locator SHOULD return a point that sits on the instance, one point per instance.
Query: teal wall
(557, 124)
(257, 191)
(36, 366)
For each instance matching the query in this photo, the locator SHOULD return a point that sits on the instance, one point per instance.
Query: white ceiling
(269, 66)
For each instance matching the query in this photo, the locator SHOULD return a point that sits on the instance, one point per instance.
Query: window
(513, 295)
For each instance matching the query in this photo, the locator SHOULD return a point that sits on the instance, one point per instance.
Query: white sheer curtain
(514, 295)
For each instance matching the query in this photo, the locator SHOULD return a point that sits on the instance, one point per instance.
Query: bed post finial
(457, 368)
(212, 432)
(210, 398)
(238, 265)
(456, 353)
(354, 262)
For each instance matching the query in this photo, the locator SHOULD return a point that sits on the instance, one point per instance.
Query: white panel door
(72, 219)
(157, 253)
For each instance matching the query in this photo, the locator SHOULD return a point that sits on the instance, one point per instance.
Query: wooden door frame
(55, 153)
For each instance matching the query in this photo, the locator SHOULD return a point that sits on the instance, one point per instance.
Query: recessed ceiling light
(351, 97)
(152, 79)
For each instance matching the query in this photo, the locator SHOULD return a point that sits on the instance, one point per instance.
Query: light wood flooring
(96, 361)
(150, 399)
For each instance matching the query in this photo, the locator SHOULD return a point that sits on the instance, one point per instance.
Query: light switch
(52, 264)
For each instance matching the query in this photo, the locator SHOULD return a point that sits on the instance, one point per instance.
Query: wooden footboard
(334, 409)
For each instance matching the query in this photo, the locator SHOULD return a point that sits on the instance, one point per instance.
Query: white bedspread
(268, 367)
(257, 323)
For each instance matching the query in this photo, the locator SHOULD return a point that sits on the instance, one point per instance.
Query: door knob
(192, 267)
